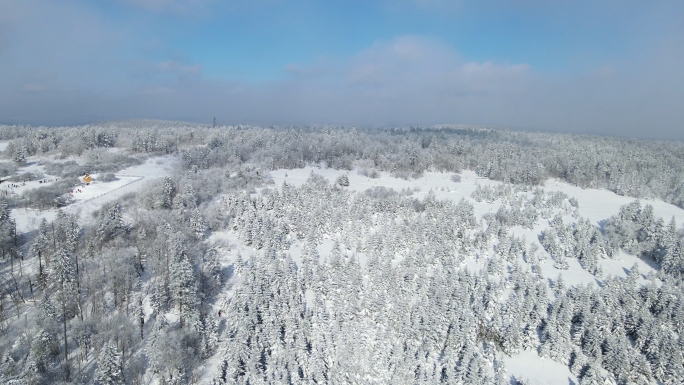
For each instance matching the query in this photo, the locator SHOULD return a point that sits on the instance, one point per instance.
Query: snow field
(91, 198)
(529, 366)
(440, 183)
(596, 205)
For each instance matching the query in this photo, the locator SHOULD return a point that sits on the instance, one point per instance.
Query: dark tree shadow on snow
(228, 272)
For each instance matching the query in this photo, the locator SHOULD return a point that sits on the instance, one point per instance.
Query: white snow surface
(92, 197)
(128, 180)
(595, 204)
(529, 366)
(439, 182)
(598, 204)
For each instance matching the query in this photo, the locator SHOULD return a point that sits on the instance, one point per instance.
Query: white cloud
(78, 68)
(409, 64)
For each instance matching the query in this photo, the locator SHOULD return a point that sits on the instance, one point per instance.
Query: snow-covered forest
(333, 255)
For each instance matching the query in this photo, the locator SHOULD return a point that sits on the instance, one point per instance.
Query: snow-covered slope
(594, 204)
(89, 198)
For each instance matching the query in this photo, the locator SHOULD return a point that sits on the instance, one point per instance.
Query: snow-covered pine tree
(166, 190)
(110, 222)
(66, 231)
(109, 370)
(342, 180)
(197, 224)
(183, 288)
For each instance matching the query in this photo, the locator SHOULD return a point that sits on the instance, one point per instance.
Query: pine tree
(558, 286)
(109, 371)
(110, 223)
(66, 231)
(211, 274)
(197, 224)
(165, 194)
(592, 376)
(4, 210)
(673, 261)
(63, 275)
(19, 154)
(183, 288)
(343, 180)
(187, 199)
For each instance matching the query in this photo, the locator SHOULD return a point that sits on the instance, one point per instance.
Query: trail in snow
(91, 198)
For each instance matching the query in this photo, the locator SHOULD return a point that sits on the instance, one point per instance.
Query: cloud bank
(80, 68)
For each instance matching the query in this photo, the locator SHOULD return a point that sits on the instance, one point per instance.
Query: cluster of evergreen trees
(625, 166)
(129, 295)
(122, 298)
(413, 288)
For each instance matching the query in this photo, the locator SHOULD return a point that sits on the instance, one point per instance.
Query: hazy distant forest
(130, 293)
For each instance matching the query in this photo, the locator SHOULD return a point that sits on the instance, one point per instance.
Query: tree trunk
(54, 239)
(66, 347)
(41, 276)
(142, 317)
(78, 289)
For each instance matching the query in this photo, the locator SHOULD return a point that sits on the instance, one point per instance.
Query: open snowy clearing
(85, 193)
(529, 366)
(597, 205)
(594, 204)
(135, 177)
(87, 199)
(29, 219)
(440, 184)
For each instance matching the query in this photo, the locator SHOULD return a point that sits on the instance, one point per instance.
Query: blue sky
(605, 67)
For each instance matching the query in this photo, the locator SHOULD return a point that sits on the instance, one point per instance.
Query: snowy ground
(440, 184)
(597, 205)
(91, 198)
(129, 180)
(19, 187)
(594, 204)
(529, 366)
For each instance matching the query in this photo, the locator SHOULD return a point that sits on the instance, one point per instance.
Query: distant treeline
(637, 168)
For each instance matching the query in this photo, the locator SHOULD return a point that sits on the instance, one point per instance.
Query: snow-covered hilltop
(239, 255)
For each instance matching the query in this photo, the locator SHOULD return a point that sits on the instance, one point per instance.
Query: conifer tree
(109, 371)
